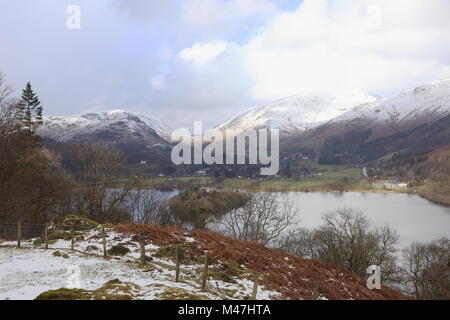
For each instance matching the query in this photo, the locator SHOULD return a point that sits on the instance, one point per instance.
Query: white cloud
(202, 53)
(218, 14)
(186, 60)
(201, 19)
(376, 46)
(327, 45)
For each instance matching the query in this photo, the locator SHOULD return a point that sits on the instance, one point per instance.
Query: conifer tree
(30, 109)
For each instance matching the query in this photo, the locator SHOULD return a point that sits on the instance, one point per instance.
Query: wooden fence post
(142, 241)
(315, 290)
(205, 273)
(105, 254)
(255, 287)
(72, 245)
(19, 233)
(177, 268)
(46, 236)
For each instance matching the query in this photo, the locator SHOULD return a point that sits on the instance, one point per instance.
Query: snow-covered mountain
(115, 126)
(297, 113)
(342, 123)
(346, 127)
(413, 123)
(425, 104)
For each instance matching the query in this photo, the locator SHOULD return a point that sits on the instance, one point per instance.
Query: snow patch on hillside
(300, 112)
(430, 102)
(427, 103)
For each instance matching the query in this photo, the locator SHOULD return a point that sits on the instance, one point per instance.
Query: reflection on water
(415, 218)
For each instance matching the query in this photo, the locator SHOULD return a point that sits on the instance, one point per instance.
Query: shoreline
(284, 186)
(325, 190)
(434, 200)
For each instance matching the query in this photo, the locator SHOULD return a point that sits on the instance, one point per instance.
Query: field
(325, 178)
(328, 177)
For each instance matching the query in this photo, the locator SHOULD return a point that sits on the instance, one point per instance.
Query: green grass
(333, 178)
(64, 294)
(331, 175)
(112, 290)
(167, 183)
(118, 250)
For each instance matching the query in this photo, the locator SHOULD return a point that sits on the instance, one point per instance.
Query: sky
(188, 60)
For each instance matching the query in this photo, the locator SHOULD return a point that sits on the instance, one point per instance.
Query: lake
(415, 218)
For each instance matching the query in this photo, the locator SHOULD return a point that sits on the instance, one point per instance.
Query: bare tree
(102, 197)
(10, 156)
(262, 219)
(5, 90)
(345, 239)
(426, 269)
(149, 206)
(300, 242)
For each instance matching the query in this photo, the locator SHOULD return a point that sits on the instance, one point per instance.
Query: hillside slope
(139, 137)
(296, 113)
(423, 105)
(437, 188)
(415, 122)
(431, 171)
(112, 125)
(231, 272)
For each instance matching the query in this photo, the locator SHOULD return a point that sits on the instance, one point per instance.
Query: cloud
(186, 60)
(376, 46)
(228, 15)
(211, 91)
(202, 53)
(199, 19)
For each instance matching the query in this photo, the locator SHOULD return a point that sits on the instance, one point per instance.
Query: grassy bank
(435, 192)
(326, 179)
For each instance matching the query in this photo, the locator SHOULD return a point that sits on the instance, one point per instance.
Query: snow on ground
(29, 271)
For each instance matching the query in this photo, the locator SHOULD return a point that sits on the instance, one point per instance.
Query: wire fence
(42, 235)
(22, 231)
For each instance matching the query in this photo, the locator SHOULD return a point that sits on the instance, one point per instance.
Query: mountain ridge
(296, 113)
(305, 112)
(66, 129)
(335, 126)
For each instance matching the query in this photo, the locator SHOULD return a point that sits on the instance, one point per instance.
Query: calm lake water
(415, 218)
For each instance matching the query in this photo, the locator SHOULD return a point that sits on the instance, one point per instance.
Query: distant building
(143, 162)
(389, 185)
(201, 173)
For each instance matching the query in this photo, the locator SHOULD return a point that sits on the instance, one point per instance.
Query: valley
(363, 164)
(326, 139)
(230, 150)
(327, 178)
